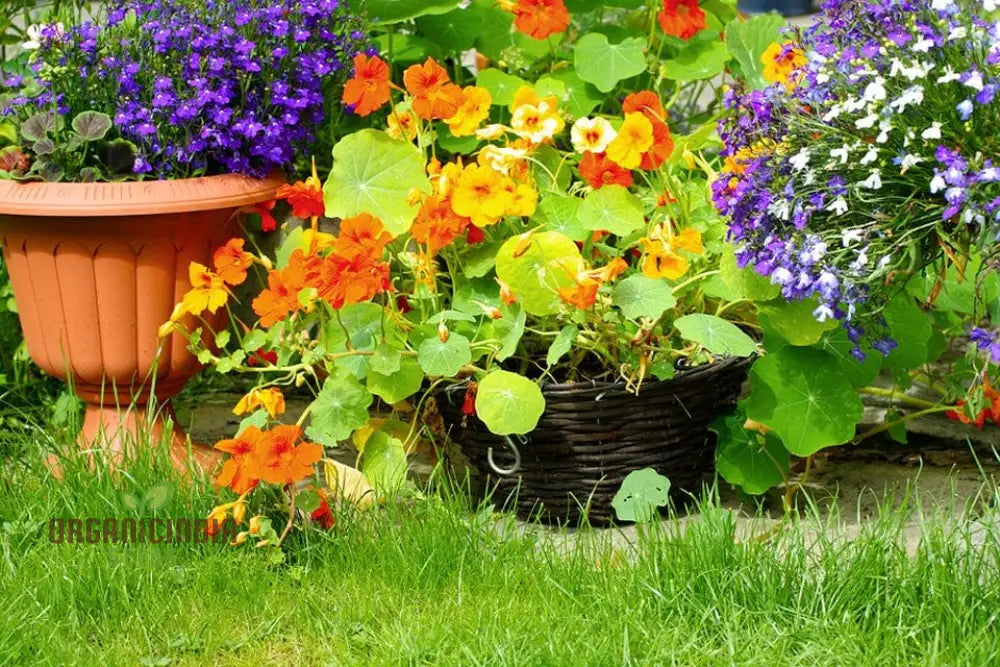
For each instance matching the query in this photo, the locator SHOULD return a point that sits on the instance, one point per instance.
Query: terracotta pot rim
(131, 198)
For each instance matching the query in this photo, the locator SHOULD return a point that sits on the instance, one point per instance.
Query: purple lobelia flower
(204, 86)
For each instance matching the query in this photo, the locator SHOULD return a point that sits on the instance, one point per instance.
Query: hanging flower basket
(593, 434)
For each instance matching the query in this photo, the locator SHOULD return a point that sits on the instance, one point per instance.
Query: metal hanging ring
(517, 459)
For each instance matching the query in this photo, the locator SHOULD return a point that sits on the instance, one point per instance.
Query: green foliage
(640, 496)
(747, 41)
(340, 407)
(373, 173)
(509, 403)
(715, 334)
(802, 395)
(751, 461)
(603, 64)
(612, 208)
(639, 296)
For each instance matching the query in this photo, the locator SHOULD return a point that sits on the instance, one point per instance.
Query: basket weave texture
(593, 434)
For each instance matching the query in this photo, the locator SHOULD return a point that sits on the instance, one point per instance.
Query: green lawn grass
(431, 581)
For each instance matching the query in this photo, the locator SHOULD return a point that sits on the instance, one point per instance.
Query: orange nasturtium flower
(271, 399)
(363, 235)
(281, 461)
(682, 18)
(783, 63)
(662, 257)
(434, 95)
(635, 137)
(481, 195)
(282, 294)
(208, 291)
(437, 225)
(231, 262)
(599, 171)
(581, 294)
(368, 90)
(538, 18)
(647, 103)
(240, 472)
(475, 108)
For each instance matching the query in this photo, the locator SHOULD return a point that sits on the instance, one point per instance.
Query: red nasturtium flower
(267, 221)
(231, 262)
(539, 18)
(323, 515)
(645, 102)
(663, 146)
(305, 197)
(434, 95)
(682, 18)
(599, 170)
(991, 411)
(369, 89)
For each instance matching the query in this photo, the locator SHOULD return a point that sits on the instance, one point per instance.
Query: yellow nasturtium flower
(208, 291)
(482, 195)
(783, 63)
(662, 257)
(474, 110)
(635, 137)
(271, 399)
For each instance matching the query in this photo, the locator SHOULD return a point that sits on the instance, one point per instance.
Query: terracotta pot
(96, 268)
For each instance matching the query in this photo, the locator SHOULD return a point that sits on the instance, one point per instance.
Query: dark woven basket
(593, 434)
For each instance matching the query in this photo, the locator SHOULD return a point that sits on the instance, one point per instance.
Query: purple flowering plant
(181, 88)
(879, 166)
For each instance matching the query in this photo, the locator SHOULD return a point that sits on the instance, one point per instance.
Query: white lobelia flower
(958, 32)
(851, 236)
(909, 160)
(873, 182)
(949, 75)
(884, 262)
(867, 122)
(875, 90)
(883, 135)
(800, 160)
(838, 206)
(870, 156)
(823, 313)
(938, 184)
(780, 209)
(990, 5)
(975, 80)
(592, 134)
(912, 96)
(841, 153)
(34, 33)
(932, 133)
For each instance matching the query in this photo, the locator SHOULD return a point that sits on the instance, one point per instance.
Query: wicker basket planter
(592, 435)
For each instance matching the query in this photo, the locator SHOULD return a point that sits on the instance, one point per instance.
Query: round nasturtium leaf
(394, 387)
(802, 395)
(560, 213)
(509, 403)
(642, 492)
(795, 321)
(699, 60)
(536, 267)
(604, 64)
(612, 208)
(374, 173)
(639, 296)
(500, 85)
(444, 358)
(751, 461)
(340, 407)
(716, 335)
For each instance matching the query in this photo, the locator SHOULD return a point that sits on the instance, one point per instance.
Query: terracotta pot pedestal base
(119, 432)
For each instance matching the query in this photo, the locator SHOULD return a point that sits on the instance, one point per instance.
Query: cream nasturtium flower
(592, 134)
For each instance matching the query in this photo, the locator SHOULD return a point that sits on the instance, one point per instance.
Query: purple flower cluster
(205, 86)
(988, 341)
(838, 187)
